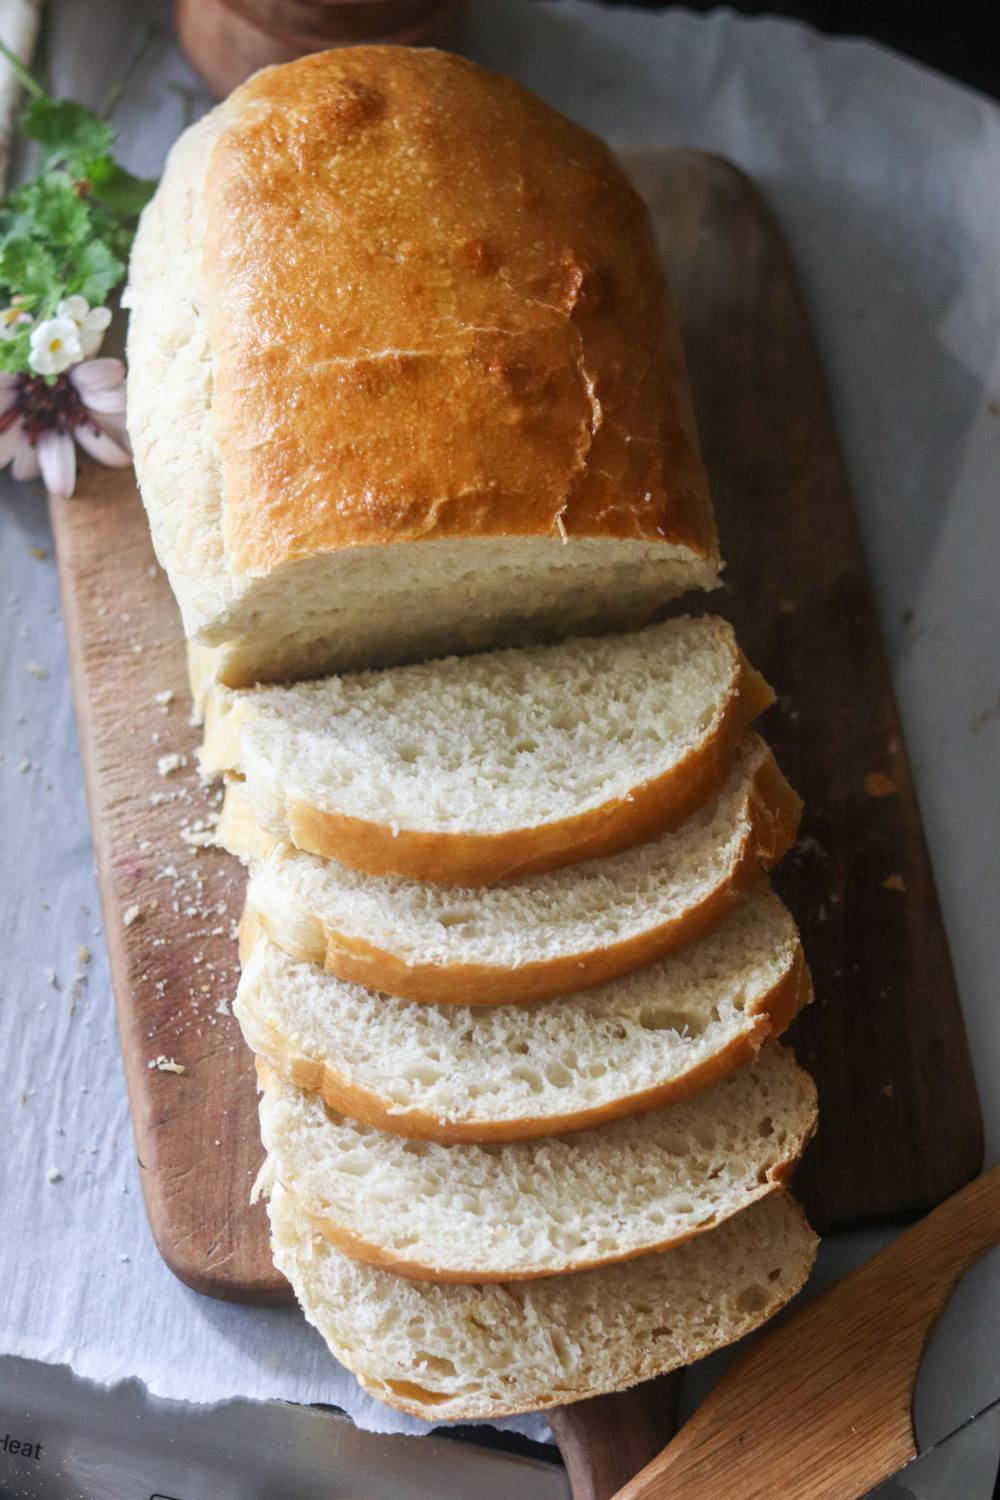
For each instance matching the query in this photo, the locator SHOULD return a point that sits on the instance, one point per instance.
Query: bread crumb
(165, 698)
(52, 978)
(83, 954)
(887, 1090)
(37, 670)
(131, 914)
(168, 764)
(166, 1064)
(24, 766)
(199, 834)
(877, 784)
(894, 883)
(39, 553)
(54, 1174)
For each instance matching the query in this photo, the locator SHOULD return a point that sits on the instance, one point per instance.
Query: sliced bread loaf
(471, 770)
(502, 1072)
(537, 1208)
(452, 1353)
(533, 938)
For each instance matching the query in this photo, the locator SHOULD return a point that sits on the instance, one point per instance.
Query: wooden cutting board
(900, 1120)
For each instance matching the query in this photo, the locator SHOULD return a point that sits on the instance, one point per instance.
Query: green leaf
(66, 130)
(94, 271)
(14, 353)
(50, 210)
(27, 268)
(118, 190)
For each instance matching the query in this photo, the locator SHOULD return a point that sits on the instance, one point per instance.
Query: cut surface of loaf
(403, 374)
(501, 1072)
(533, 938)
(475, 1213)
(476, 769)
(459, 1352)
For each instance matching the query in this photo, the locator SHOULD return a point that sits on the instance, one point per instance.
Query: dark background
(961, 39)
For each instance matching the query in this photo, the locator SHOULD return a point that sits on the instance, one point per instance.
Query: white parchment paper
(885, 178)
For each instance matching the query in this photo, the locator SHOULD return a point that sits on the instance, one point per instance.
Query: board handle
(607, 1439)
(823, 1403)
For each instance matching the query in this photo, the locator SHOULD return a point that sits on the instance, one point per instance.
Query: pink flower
(39, 423)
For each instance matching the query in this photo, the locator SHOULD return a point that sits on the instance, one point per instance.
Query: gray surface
(884, 178)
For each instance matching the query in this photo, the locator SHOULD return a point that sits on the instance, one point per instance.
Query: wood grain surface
(900, 1125)
(820, 1407)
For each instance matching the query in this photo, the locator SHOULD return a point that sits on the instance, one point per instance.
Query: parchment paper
(885, 178)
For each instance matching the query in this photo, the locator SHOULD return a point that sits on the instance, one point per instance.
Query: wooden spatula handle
(605, 1440)
(821, 1405)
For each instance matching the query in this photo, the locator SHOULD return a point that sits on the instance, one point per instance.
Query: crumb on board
(54, 1175)
(24, 766)
(166, 1064)
(37, 670)
(52, 978)
(83, 954)
(887, 1090)
(166, 765)
(131, 914)
(199, 833)
(877, 784)
(39, 553)
(894, 883)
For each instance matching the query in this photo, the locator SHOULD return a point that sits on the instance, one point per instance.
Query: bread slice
(477, 769)
(502, 1072)
(530, 939)
(458, 1353)
(537, 1208)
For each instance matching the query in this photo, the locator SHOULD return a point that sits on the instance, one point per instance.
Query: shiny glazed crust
(435, 310)
(384, 296)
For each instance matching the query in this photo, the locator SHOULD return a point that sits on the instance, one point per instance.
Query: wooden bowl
(227, 40)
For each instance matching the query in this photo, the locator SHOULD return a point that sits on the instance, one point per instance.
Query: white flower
(91, 322)
(54, 346)
(39, 423)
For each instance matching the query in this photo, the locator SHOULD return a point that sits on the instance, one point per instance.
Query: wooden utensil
(821, 1406)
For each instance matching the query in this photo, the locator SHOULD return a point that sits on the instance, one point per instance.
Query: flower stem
(21, 73)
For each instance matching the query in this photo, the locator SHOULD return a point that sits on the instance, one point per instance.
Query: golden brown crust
(773, 814)
(435, 310)
(773, 1014)
(482, 859)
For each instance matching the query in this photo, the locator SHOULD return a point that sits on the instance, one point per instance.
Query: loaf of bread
(477, 1213)
(528, 939)
(475, 769)
(403, 375)
(504, 1072)
(457, 1353)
